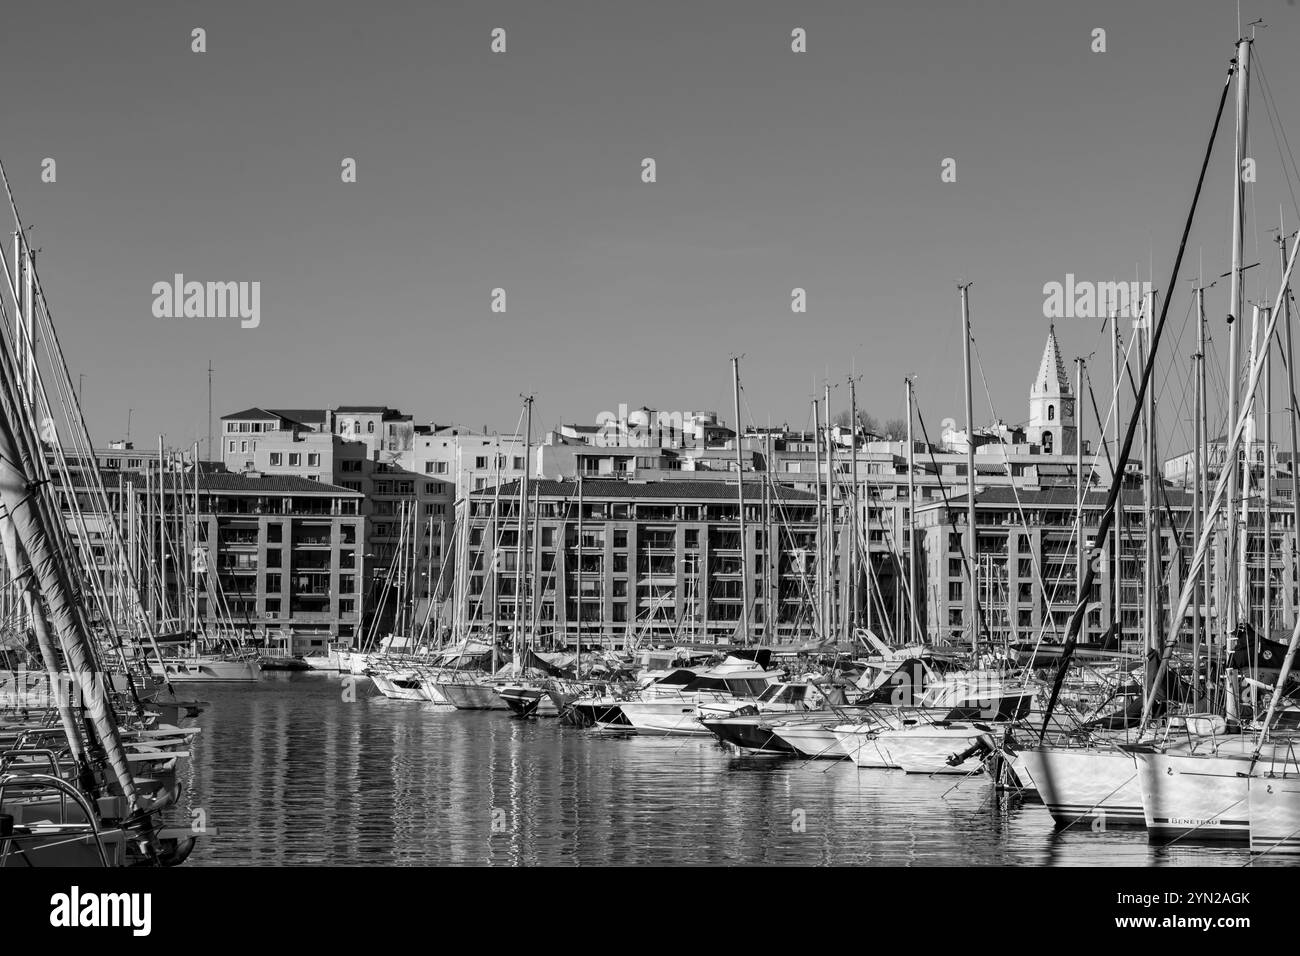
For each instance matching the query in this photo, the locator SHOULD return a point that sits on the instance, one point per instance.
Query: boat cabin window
(746, 687)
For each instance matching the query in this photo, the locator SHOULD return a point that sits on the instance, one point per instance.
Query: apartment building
(617, 560)
(1026, 570)
(279, 553)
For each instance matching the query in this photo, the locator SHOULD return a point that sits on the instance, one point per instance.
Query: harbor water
(310, 769)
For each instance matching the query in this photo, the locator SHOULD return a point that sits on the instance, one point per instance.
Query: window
(1047, 443)
(313, 459)
(273, 557)
(370, 427)
(620, 538)
(272, 583)
(295, 459)
(1051, 413)
(351, 466)
(272, 606)
(480, 461)
(243, 446)
(519, 463)
(439, 467)
(347, 606)
(274, 532)
(275, 459)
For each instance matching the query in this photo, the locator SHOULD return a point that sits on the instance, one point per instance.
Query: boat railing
(17, 753)
(40, 781)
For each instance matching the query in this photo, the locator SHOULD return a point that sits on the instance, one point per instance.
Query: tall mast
(1151, 577)
(1235, 600)
(1251, 439)
(1198, 488)
(972, 598)
(911, 519)
(535, 577)
(740, 495)
(768, 619)
(821, 525)
(578, 603)
(162, 530)
(1267, 535)
(855, 574)
(1078, 473)
(832, 572)
(1117, 591)
(522, 525)
(196, 457)
(1295, 426)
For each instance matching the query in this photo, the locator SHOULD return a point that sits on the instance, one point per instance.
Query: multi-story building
(1026, 563)
(287, 553)
(280, 553)
(614, 561)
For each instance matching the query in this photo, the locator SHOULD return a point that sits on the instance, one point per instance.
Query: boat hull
(206, 672)
(664, 718)
(472, 696)
(814, 741)
(1085, 787)
(1194, 797)
(750, 734)
(1275, 816)
(860, 746)
(926, 750)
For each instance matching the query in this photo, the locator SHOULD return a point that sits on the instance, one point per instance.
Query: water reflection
(291, 772)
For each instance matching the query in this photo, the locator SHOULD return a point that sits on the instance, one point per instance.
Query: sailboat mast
(162, 530)
(1235, 602)
(1295, 425)
(821, 525)
(740, 494)
(1078, 472)
(1117, 590)
(1198, 488)
(1267, 534)
(855, 575)
(911, 518)
(578, 602)
(768, 608)
(522, 525)
(1151, 578)
(832, 572)
(971, 597)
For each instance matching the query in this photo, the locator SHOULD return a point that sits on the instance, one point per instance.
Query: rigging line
(1108, 514)
(1169, 515)
(1271, 110)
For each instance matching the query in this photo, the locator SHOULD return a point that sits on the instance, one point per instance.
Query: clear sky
(522, 170)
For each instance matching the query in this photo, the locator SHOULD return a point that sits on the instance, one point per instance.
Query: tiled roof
(305, 416)
(683, 490)
(298, 416)
(249, 413)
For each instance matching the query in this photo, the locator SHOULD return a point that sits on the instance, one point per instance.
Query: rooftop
(716, 490)
(261, 484)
